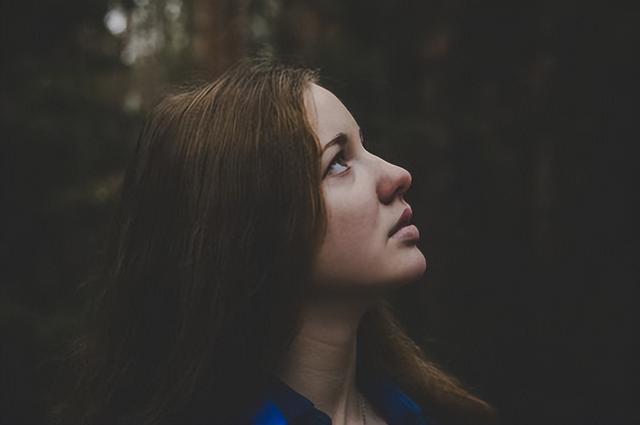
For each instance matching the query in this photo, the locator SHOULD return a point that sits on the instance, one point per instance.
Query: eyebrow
(340, 139)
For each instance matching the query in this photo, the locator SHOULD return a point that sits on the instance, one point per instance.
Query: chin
(409, 268)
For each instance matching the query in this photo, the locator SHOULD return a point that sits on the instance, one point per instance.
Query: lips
(404, 220)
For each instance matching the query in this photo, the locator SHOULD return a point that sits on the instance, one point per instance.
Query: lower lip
(409, 232)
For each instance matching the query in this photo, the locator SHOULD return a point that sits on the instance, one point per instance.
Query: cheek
(353, 243)
(352, 220)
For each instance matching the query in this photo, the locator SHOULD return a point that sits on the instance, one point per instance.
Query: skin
(357, 263)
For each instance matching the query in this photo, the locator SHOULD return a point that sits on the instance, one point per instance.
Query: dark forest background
(516, 119)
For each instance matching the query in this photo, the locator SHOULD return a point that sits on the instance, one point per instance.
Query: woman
(245, 282)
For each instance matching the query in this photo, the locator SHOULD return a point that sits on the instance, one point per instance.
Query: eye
(339, 160)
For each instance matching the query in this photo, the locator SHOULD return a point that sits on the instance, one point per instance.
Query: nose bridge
(392, 180)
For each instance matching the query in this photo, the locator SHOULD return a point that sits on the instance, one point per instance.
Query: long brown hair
(219, 219)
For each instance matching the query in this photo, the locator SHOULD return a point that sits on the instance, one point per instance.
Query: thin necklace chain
(362, 410)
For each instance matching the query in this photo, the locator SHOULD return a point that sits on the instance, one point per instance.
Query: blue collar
(284, 406)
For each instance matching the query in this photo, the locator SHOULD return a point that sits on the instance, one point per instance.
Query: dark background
(515, 118)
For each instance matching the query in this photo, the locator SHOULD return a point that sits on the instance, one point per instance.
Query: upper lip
(404, 220)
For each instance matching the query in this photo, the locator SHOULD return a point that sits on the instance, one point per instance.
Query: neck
(321, 362)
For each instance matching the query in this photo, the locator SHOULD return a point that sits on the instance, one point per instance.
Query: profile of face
(364, 199)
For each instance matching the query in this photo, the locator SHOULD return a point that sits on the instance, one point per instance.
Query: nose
(393, 181)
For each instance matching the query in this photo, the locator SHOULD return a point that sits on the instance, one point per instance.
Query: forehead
(327, 113)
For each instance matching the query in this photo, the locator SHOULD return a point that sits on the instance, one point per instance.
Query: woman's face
(364, 197)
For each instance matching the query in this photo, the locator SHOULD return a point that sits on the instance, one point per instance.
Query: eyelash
(338, 156)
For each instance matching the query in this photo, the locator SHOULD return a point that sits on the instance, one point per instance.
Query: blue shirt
(284, 406)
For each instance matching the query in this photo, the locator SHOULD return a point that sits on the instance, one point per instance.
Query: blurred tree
(220, 32)
(61, 156)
